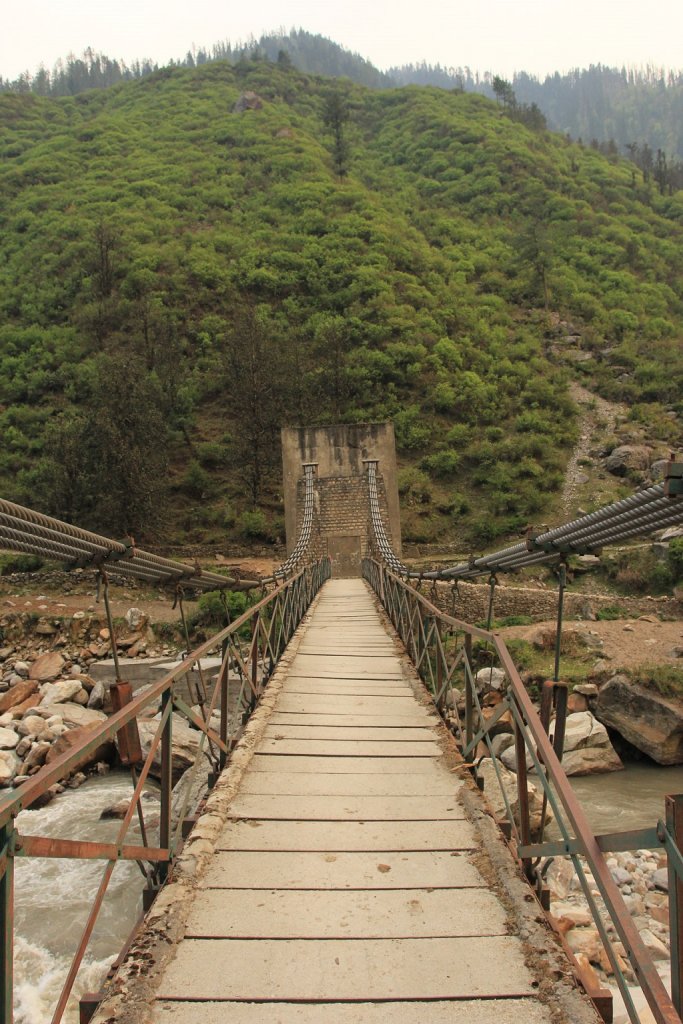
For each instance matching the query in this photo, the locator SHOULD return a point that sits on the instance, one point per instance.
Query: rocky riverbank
(641, 876)
(48, 700)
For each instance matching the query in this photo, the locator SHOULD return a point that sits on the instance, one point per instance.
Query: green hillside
(178, 279)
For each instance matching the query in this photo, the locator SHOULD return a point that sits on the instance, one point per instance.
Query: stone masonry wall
(470, 602)
(342, 508)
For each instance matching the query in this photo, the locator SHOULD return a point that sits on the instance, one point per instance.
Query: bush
(610, 613)
(252, 525)
(675, 557)
(196, 481)
(19, 563)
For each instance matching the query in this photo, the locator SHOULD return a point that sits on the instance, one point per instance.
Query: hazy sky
(498, 35)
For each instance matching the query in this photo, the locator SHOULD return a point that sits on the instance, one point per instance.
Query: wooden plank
(350, 705)
(349, 721)
(502, 1011)
(357, 784)
(413, 734)
(357, 914)
(350, 748)
(328, 870)
(350, 836)
(343, 765)
(346, 808)
(350, 969)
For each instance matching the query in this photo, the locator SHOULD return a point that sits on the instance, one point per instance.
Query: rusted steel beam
(128, 738)
(45, 846)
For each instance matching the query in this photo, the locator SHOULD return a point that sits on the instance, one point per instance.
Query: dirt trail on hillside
(597, 417)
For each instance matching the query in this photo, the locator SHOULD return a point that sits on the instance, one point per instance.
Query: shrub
(19, 563)
(252, 525)
(610, 613)
(196, 481)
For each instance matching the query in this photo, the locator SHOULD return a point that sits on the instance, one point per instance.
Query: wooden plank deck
(343, 890)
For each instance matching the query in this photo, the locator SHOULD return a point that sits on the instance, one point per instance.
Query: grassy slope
(412, 290)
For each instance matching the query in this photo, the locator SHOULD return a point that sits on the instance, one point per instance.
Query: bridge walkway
(344, 890)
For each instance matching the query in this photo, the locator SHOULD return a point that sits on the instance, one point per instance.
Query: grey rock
(97, 694)
(661, 879)
(652, 723)
(628, 457)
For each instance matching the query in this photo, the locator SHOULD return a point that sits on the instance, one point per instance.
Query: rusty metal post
(127, 738)
(166, 782)
(492, 593)
(110, 623)
(254, 653)
(560, 617)
(674, 825)
(546, 704)
(523, 797)
(438, 646)
(224, 688)
(561, 697)
(469, 699)
(7, 923)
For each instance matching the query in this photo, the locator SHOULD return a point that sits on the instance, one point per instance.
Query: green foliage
(611, 612)
(247, 288)
(675, 558)
(19, 563)
(252, 525)
(663, 679)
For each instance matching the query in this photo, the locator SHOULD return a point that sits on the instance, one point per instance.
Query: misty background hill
(634, 111)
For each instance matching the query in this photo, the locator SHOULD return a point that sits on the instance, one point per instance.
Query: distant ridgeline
(636, 112)
(195, 258)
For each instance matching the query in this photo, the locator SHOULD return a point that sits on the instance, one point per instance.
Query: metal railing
(445, 649)
(250, 648)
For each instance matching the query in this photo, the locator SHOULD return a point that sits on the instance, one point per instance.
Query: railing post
(166, 782)
(522, 796)
(674, 825)
(439, 663)
(254, 655)
(223, 683)
(469, 697)
(7, 923)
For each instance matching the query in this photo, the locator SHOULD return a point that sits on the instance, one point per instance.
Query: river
(53, 897)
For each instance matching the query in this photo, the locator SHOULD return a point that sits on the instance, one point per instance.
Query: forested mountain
(192, 259)
(631, 111)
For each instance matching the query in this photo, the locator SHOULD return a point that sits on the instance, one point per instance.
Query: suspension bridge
(341, 864)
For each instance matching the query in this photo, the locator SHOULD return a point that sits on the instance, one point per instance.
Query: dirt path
(598, 417)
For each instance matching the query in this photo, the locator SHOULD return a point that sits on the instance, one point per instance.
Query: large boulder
(46, 667)
(587, 747)
(628, 457)
(75, 738)
(185, 745)
(76, 715)
(61, 691)
(650, 722)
